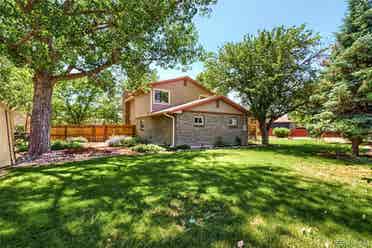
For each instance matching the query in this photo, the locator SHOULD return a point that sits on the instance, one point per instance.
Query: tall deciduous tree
(70, 39)
(15, 86)
(273, 72)
(343, 102)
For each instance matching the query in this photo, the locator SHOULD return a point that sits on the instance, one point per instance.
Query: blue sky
(232, 19)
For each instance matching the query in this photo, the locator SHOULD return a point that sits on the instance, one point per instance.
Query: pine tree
(346, 90)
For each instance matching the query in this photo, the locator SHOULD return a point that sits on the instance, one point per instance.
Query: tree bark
(264, 133)
(355, 146)
(41, 115)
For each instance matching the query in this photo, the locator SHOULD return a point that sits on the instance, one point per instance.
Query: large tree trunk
(41, 115)
(264, 133)
(355, 146)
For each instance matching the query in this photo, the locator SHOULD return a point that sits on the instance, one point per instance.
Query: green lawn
(288, 195)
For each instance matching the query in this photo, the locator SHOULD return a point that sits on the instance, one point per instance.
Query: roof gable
(200, 102)
(170, 81)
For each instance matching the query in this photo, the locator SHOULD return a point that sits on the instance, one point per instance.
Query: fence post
(105, 133)
(94, 138)
(65, 132)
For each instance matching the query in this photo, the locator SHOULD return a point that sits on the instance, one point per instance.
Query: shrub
(179, 147)
(147, 148)
(238, 141)
(281, 132)
(74, 145)
(58, 145)
(77, 139)
(130, 141)
(115, 141)
(61, 144)
(183, 147)
(219, 142)
(124, 141)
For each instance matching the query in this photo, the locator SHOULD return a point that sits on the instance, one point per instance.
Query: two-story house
(182, 111)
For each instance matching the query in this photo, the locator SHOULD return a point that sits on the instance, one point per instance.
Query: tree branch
(93, 72)
(306, 61)
(84, 73)
(26, 8)
(23, 40)
(89, 12)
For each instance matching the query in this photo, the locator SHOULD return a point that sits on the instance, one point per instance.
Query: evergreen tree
(344, 97)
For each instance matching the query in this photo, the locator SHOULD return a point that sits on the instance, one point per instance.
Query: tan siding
(132, 114)
(179, 93)
(6, 149)
(142, 105)
(211, 107)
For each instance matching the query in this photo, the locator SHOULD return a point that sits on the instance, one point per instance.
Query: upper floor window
(161, 96)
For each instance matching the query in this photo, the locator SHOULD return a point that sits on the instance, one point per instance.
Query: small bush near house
(281, 132)
(61, 145)
(238, 141)
(219, 142)
(147, 148)
(115, 141)
(180, 147)
(130, 141)
(183, 147)
(124, 141)
(77, 139)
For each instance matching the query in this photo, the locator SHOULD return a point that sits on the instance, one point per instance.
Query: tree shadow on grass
(186, 199)
(336, 153)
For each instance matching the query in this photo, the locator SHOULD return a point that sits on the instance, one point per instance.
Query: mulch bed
(71, 155)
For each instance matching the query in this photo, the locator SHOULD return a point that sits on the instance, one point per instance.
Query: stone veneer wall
(215, 125)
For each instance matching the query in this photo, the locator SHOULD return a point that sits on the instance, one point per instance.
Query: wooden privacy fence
(94, 133)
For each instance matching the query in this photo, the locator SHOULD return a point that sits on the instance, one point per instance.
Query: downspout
(173, 129)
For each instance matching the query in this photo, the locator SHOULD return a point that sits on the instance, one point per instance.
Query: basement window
(198, 121)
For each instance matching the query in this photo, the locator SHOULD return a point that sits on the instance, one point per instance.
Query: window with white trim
(198, 121)
(161, 96)
(233, 122)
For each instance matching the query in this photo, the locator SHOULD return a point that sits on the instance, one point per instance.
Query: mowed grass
(288, 195)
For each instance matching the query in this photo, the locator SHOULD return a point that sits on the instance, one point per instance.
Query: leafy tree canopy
(87, 35)
(70, 39)
(16, 86)
(273, 72)
(81, 101)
